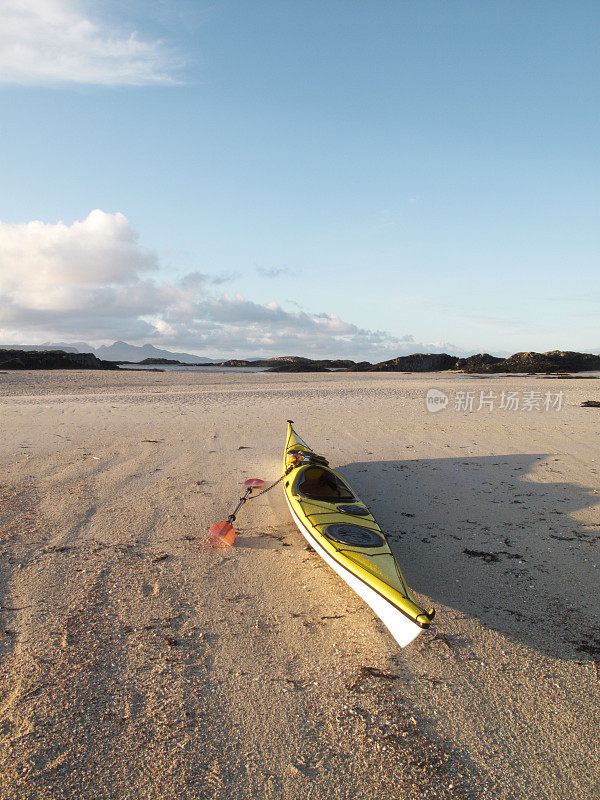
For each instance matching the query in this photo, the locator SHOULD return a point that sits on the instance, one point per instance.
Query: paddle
(223, 532)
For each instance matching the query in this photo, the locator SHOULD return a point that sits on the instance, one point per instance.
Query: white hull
(403, 629)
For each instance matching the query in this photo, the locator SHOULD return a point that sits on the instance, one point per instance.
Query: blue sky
(333, 178)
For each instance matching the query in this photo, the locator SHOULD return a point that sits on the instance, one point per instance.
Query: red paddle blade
(222, 534)
(254, 483)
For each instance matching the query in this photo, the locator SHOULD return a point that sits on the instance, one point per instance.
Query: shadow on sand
(476, 535)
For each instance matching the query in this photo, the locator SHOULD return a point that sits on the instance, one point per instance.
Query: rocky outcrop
(526, 362)
(236, 362)
(265, 362)
(290, 364)
(417, 362)
(573, 361)
(335, 363)
(478, 363)
(313, 366)
(150, 361)
(552, 361)
(51, 359)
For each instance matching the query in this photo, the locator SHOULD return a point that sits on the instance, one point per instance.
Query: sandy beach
(138, 663)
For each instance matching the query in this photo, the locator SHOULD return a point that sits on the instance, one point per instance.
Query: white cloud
(272, 272)
(92, 280)
(103, 248)
(88, 275)
(54, 42)
(237, 325)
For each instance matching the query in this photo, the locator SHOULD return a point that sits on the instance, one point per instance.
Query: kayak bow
(342, 530)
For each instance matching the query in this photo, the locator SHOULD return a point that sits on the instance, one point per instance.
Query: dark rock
(553, 361)
(417, 362)
(11, 363)
(290, 364)
(362, 366)
(313, 366)
(237, 362)
(335, 363)
(286, 359)
(526, 362)
(51, 359)
(159, 361)
(478, 363)
(591, 404)
(264, 362)
(574, 362)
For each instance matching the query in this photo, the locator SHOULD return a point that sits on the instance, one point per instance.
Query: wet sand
(138, 663)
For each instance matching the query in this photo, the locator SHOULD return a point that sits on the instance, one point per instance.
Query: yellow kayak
(341, 529)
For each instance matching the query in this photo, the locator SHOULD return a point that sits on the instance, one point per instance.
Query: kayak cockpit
(319, 483)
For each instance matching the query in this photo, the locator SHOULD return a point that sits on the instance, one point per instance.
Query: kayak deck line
(322, 505)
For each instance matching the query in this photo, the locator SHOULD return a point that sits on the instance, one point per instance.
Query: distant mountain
(118, 351)
(66, 348)
(121, 351)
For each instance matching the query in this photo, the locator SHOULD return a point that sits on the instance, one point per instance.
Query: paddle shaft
(231, 517)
